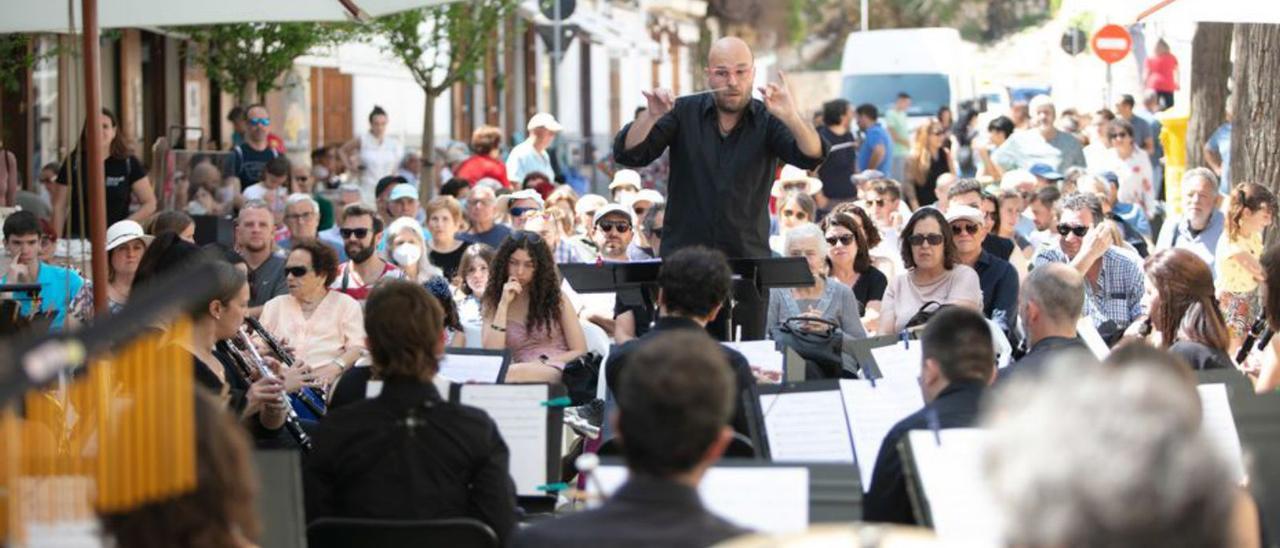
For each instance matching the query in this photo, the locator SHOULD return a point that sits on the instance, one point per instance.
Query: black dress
(119, 174)
(869, 287)
(448, 262)
(926, 192)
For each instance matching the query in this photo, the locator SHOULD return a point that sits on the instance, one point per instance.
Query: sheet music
(1220, 425)
(471, 368)
(806, 426)
(769, 499)
(765, 359)
(1091, 338)
(897, 362)
(953, 484)
(522, 422)
(872, 412)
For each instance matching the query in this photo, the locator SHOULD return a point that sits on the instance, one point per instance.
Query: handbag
(820, 348)
(923, 315)
(580, 377)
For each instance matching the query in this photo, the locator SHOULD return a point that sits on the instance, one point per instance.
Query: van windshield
(928, 92)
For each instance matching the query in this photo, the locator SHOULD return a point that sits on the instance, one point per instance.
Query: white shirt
(1136, 179)
(379, 159)
(524, 159)
(257, 191)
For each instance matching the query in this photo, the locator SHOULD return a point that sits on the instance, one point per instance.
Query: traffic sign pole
(1111, 44)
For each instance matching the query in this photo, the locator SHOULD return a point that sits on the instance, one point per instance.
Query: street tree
(1255, 135)
(440, 45)
(1210, 69)
(246, 59)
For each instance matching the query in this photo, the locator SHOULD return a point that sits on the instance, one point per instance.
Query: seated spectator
(1114, 280)
(173, 221)
(585, 212)
(1238, 270)
(361, 230)
(519, 206)
(1132, 166)
(1184, 313)
(933, 276)
(382, 196)
(958, 364)
(255, 241)
(613, 231)
(303, 182)
(525, 312)
(794, 209)
(1201, 224)
(125, 245)
(274, 187)
(444, 219)
(827, 298)
(550, 224)
(849, 262)
(323, 326)
(403, 202)
(58, 285)
(473, 276)
(1129, 218)
(640, 203)
(673, 410)
(483, 215)
(302, 217)
(564, 198)
(486, 148)
(633, 320)
(997, 278)
(1044, 217)
(348, 194)
(1132, 429)
(406, 249)
(539, 182)
(1052, 300)
(1263, 365)
(625, 183)
(409, 453)
(459, 189)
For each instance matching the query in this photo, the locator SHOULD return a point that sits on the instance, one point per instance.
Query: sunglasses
(656, 232)
(965, 227)
(1078, 230)
(1117, 135)
(520, 236)
(517, 212)
(875, 203)
(359, 233)
(917, 240)
(259, 121)
(843, 239)
(621, 227)
(296, 271)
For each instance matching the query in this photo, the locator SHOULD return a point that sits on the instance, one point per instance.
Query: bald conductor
(725, 147)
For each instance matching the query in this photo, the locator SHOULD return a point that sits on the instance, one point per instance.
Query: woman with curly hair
(525, 312)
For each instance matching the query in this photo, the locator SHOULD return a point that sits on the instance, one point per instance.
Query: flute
(291, 422)
(315, 406)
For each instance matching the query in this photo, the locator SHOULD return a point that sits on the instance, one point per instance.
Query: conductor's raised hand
(777, 98)
(658, 101)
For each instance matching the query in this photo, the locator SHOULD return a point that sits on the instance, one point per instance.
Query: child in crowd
(1239, 272)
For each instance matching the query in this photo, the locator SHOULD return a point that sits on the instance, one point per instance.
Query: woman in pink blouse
(933, 273)
(325, 328)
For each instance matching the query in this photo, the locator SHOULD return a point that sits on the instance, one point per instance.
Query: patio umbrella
(1210, 11)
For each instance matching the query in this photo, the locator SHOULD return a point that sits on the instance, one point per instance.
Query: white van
(929, 64)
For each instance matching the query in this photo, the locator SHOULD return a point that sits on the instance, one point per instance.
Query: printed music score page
(471, 368)
(872, 412)
(769, 499)
(807, 426)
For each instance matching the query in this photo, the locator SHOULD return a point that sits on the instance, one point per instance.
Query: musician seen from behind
(724, 148)
(324, 326)
(673, 422)
(409, 453)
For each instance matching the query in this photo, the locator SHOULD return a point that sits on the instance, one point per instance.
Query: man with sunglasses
(249, 158)
(361, 230)
(725, 148)
(520, 206)
(613, 232)
(998, 278)
(1114, 281)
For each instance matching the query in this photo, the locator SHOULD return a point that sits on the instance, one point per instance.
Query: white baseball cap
(957, 212)
(625, 177)
(544, 120)
(614, 208)
(590, 203)
(402, 190)
(793, 174)
(647, 195)
(125, 231)
(504, 201)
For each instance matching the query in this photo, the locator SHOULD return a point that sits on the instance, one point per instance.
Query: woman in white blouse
(933, 273)
(373, 155)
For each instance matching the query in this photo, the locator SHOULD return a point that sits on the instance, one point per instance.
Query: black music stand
(634, 283)
(763, 274)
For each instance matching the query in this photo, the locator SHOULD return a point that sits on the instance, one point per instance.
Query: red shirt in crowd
(478, 167)
(1160, 69)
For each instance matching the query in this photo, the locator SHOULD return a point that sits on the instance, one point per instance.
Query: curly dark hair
(544, 296)
(869, 230)
(861, 258)
(695, 280)
(948, 239)
(324, 260)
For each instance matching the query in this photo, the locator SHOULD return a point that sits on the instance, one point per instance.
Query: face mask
(406, 254)
(463, 203)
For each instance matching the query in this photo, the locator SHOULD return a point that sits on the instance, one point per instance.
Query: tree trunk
(427, 174)
(1210, 68)
(1255, 133)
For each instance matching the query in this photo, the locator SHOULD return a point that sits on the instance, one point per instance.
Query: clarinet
(1259, 327)
(291, 422)
(287, 359)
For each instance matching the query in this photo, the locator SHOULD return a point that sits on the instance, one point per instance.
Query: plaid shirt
(1117, 295)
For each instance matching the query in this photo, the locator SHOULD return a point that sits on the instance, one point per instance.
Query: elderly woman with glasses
(525, 312)
(324, 327)
(827, 298)
(934, 275)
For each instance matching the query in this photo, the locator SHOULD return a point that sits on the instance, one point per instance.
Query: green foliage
(17, 54)
(242, 55)
(444, 44)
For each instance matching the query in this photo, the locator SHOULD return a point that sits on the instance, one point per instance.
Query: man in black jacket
(692, 285)
(1052, 300)
(958, 364)
(674, 404)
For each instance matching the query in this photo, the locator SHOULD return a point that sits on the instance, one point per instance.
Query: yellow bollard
(1173, 137)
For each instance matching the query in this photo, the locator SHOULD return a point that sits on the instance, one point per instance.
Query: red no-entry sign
(1111, 43)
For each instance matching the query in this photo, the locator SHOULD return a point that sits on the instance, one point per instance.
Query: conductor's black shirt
(408, 454)
(718, 190)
